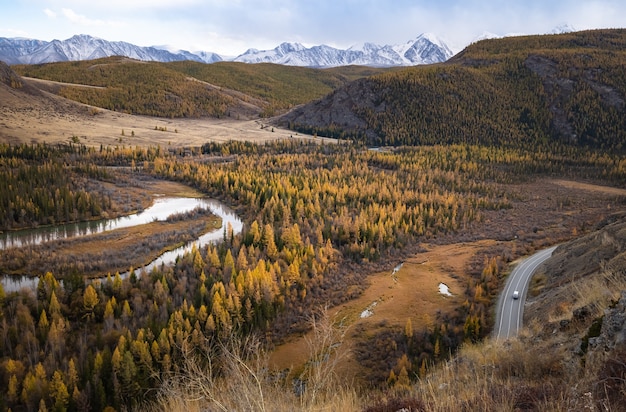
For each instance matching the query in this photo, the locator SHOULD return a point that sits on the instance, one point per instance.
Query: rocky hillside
(513, 91)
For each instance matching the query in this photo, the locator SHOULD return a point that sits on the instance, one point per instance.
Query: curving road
(510, 311)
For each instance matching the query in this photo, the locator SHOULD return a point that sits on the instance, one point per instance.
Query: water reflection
(160, 210)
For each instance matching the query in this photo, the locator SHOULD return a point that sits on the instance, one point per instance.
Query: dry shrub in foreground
(610, 389)
(234, 376)
(493, 376)
(236, 379)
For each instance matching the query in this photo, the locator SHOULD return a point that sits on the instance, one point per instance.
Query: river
(160, 210)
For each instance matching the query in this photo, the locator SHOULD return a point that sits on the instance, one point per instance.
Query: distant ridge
(424, 49)
(85, 47)
(427, 48)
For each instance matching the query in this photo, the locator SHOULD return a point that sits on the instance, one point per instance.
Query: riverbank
(108, 252)
(159, 238)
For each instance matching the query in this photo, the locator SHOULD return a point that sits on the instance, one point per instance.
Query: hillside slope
(512, 91)
(191, 89)
(32, 112)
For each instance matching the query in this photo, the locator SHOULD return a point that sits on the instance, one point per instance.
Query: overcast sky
(230, 27)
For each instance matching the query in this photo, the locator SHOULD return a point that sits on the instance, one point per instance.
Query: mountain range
(85, 47)
(424, 49)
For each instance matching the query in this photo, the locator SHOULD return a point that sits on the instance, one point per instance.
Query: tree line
(38, 187)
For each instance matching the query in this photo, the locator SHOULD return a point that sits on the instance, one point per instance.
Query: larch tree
(90, 300)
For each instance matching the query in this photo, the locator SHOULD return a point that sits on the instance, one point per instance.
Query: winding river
(160, 210)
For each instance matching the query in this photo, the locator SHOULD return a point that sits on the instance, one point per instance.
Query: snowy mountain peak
(486, 36)
(364, 47)
(286, 48)
(424, 49)
(433, 38)
(563, 28)
(291, 46)
(84, 38)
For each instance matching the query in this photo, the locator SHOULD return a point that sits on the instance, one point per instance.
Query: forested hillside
(191, 89)
(517, 91)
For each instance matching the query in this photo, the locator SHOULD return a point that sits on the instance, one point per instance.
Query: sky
(230, 27)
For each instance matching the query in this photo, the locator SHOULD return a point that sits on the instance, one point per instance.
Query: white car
(516, 295)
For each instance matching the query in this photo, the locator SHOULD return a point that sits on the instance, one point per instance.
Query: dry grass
(239, 379)
(489, 376)
(599, 291)
(493, 376)
(592, 294)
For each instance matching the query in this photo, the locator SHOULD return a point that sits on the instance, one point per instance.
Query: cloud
(72, 16)
(82, 20)
(13, 33)
(50, 13)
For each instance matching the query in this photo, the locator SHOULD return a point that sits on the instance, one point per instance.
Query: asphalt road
(510, 311)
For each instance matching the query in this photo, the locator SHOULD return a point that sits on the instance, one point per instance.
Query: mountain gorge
(425, 49)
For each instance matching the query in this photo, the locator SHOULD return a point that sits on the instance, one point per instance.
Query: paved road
(510, 311)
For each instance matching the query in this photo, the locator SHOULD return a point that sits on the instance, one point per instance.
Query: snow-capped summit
(425, 49)
(365, 47)
(563, 28)
(486, 35)
(277, 55)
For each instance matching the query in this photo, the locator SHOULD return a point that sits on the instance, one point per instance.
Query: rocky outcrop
(613, 332)
(606, 358)
(9, 77)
